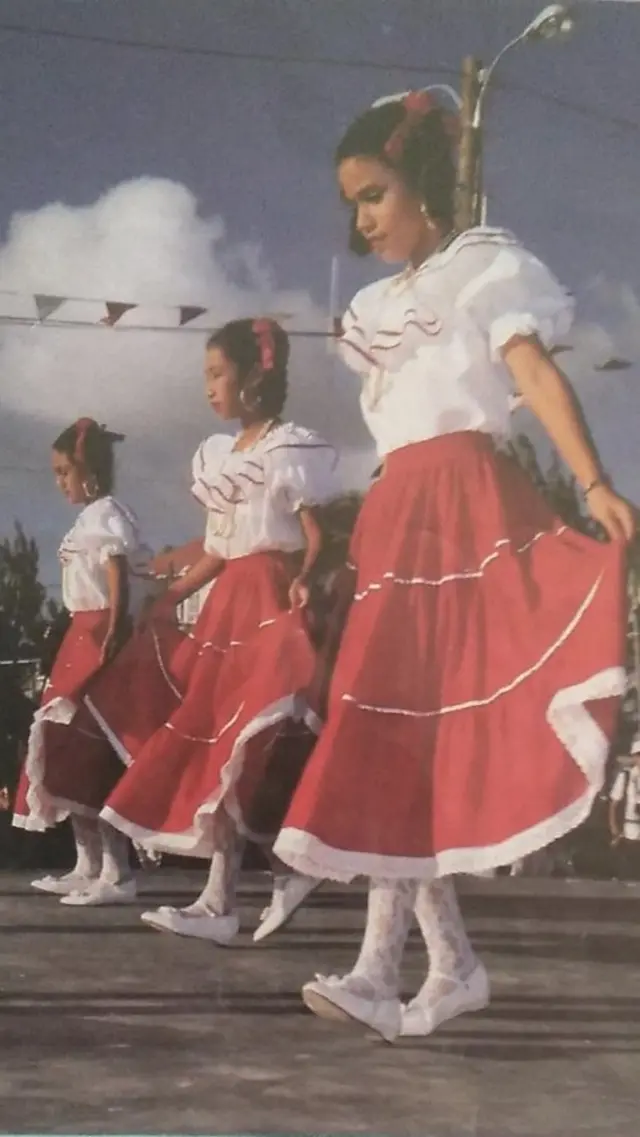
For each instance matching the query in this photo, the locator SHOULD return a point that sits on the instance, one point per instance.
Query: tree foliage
(25, 611)
(25, 615)
(557, 485)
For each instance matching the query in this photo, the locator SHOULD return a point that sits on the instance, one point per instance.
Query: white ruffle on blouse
(253, 497)
(427, 342)
(105, 528)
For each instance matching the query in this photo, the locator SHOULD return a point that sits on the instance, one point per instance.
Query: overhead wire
(616, 120)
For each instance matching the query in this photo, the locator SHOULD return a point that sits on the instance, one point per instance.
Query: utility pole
(468, 187)
(478, 208)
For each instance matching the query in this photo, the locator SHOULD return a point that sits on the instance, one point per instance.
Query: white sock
(88, 847)
(451, 956)
(218, 896)
(389, 914)
(115, 855)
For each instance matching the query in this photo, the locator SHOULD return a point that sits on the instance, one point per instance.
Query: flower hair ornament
(263, 331)
(83, 426)
(417, 105)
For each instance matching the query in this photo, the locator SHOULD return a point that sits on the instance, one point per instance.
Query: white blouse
(427, 342)
(253, 497)
(103, 529)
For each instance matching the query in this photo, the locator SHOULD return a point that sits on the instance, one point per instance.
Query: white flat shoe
(101, 893)
(202, 925)
(341, 998)
(426, 1013)
(289, 892)
(62, 885)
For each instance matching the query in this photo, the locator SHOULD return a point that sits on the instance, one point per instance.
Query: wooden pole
(467, 188)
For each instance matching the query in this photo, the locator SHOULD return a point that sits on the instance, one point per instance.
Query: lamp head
(552, 22)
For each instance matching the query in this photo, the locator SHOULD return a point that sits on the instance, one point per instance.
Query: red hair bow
(83, 426)
(263, 331)
(417, 104)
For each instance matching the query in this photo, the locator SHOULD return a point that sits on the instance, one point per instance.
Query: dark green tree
(25, 615)
(25, 611)
(557, 485)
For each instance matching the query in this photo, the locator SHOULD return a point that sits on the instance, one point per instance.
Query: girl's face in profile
(221, 383)
(388, 215)
(68, 477)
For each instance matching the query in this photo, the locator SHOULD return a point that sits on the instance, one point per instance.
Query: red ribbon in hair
(263, 331)
(417, 105)
(83, 426)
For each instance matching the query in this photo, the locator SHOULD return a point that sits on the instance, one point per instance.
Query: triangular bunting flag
(189, 313)
(115, 312)
(47, 305)
(614, 364)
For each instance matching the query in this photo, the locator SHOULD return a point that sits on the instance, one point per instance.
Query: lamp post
(553, 22)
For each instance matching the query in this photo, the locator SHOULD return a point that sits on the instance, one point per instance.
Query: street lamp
(553, 22)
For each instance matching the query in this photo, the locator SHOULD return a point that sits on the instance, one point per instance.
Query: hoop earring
(90, 488)
(249, 403)
(428, 219)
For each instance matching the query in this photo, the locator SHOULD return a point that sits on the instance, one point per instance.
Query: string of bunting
(41, 308)
(47, 307)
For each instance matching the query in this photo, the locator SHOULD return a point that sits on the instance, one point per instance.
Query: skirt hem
(311, 857)
(586, 744)
(195, 841)
(45, 810)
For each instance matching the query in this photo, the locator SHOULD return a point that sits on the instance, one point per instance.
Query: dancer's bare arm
(118, 589)
(299, 591)
(173, 562)
(548, 394)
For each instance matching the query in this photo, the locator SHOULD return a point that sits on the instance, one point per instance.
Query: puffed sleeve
(510, 293)
(301, 469)
(109, 530)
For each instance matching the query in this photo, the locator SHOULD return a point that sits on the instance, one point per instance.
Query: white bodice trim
(253, 497)
(428, 343)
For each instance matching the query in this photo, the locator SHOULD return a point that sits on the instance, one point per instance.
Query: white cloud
(610, 325)
(145, 242)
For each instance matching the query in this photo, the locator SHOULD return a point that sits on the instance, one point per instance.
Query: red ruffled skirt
(227, 710)
(70, 767)
(478, 680)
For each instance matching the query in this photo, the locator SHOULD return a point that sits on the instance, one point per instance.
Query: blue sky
(251, 141)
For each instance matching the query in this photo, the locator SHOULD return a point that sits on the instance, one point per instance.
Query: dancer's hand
(115, 638)
(617, 516)
(109, 647)
(299, 593)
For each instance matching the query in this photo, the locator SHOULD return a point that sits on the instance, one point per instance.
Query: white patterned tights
(218, 896)
(391, 905)
(101, 851)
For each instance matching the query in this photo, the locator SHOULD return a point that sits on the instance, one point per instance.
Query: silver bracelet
(595, 484)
